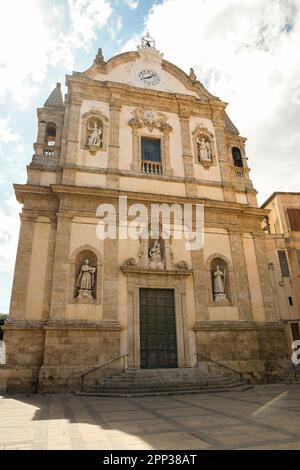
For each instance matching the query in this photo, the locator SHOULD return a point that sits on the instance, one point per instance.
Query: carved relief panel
(94, 132)
(204, 147)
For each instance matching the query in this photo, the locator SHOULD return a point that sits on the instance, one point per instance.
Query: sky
(244, 51)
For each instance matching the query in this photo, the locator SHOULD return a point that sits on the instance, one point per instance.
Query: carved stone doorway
(158, 342)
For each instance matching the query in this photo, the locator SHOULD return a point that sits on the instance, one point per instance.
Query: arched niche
(225, 266)
(76, 262)
(147, 243)
(203, 138)
(94, 123)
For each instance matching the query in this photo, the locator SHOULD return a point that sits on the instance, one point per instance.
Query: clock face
(148, 77)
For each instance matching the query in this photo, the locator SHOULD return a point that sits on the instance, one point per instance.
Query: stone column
(136, 163)
(40, 143)
(226, 172)
(265, 277)
(111, 280)
(167, 170)
(61, 267)
(49, 270)
(201, 290)
(240, 276)
(71, 133)
(22, 268)
(114, 144)
(191, 188)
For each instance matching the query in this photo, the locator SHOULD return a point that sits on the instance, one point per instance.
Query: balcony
(150, 167)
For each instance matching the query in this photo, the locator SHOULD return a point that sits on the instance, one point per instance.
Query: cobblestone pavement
(266, 417)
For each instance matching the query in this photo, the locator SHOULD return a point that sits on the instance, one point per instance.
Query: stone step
(150, 382)
(162, 384)
(165, 379)
(161, 388)
(168, 384)
(160, 392)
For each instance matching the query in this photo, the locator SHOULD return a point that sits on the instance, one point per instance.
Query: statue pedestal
(156, 265)
(94, 149)
(84, 294)
(206, 163)
(221, 297)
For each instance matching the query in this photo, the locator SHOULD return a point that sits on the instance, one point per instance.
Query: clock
(148, 77)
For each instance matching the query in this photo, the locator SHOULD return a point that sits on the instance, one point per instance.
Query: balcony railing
(149, 167)
(51, 151)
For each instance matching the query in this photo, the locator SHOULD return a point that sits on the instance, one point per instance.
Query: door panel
(158, 329)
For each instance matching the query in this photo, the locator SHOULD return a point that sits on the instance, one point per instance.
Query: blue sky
(245, 51)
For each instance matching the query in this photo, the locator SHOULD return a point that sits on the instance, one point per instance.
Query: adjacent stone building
(282, 228)
(138, 126)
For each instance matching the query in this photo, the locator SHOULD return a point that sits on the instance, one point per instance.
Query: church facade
(137, 128)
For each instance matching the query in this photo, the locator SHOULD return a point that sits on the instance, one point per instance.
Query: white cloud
(115, 27)
(246, 52)
(33, 37)
(6, 134)
(132, 4)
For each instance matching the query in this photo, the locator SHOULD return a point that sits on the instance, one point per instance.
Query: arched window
(50, 134)
(237, 157)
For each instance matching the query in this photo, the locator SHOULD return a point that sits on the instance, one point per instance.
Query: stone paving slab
(266, 417)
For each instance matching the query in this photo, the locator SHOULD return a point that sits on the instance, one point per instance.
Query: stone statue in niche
(95, 135)
(156, 259)
(86, 280)
(219, 284)
(204, 150)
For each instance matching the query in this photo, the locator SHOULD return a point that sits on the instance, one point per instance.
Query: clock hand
(150, 76)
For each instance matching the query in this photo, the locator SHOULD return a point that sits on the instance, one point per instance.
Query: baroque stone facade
(76, 299)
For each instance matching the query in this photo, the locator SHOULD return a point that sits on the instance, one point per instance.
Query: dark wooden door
(157, 329)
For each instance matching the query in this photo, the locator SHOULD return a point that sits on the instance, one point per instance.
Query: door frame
(137, 280)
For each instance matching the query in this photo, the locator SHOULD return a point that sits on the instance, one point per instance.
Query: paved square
(266, 417)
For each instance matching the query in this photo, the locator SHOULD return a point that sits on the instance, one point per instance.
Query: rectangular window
(294, 219)
(284, 266)
(151, 150)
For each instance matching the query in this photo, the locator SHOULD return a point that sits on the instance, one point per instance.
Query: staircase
(159, 382)
(290, 374)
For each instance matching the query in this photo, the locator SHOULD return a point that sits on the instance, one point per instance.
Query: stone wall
(259, 350)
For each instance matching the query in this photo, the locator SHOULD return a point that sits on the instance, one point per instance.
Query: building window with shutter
(284, 266)
(151, 156)
(294, 219)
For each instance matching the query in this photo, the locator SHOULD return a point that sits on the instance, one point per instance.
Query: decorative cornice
(62, 325)
(237, 325)
(134, 270)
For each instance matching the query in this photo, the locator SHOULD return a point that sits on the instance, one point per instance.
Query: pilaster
(114, 144)
(241, 276)
(188, 160)
(265, 278)
(71, 135)
(22, 267)
(61, 267)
